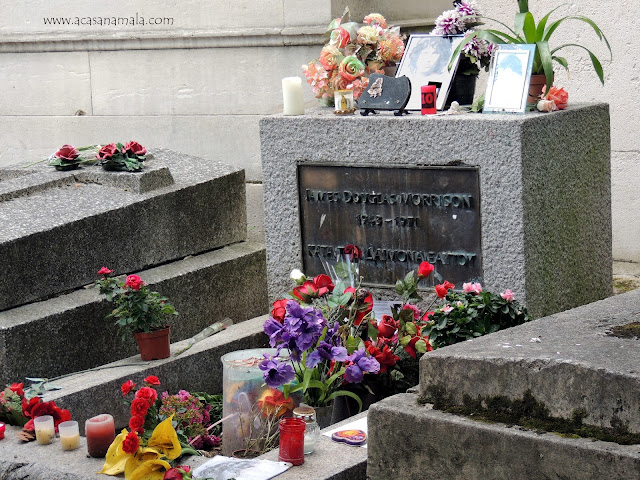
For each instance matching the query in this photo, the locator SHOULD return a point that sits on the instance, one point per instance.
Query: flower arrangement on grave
(526, 31)
(555, 99)
(19, 406)
(395, 342)
(138, 309)
(161, 429)
(114, 156)
(353, 52)
(476, 52)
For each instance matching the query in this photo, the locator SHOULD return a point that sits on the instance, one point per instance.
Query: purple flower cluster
(360, 364)
(455, 21)
(205, 442)
(276, 372)
(328, 349)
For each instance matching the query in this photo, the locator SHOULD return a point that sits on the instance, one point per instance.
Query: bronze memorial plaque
(398, 216)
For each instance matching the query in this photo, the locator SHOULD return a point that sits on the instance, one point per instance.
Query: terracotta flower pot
(154, 345)
(535, 87)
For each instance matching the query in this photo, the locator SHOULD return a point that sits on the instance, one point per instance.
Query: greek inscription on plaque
(398, 216)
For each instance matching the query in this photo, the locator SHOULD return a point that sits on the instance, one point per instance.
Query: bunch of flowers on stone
(461, 19)
(353, 52)
(113, 156)
(555, 99)
(19, 408)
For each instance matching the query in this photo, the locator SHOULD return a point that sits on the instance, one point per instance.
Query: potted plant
(140, 311)
(526, 31)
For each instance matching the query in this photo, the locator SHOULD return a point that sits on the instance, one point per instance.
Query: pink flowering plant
(476, 52)
(354, 51)
(119, 157)
(137, 307)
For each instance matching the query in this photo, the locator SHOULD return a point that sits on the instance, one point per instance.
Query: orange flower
(559, 96)
(272, 402)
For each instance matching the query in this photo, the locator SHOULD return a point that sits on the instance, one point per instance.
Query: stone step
(440, 446)
(199, 368)
(568, 361)
(69, 333)
(58, 228)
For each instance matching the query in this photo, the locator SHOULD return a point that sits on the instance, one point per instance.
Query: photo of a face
(509, 79)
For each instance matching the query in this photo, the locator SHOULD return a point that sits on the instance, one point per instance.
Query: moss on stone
(529, 413)
(630, 330)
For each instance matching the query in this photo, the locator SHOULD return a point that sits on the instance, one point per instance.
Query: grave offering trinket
(312, 431)
(45, 431)
(385, 93)
(69, 435)
(100, 432)
(428, 99)
(350, 437)
(344, 104)
(291, 440)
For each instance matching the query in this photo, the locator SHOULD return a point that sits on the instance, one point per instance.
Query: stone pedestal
(544, 183)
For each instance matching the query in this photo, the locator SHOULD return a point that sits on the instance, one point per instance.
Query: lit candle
(2, 427)
(45, 431)
(100, 432)
(292, 96)
(69, 435)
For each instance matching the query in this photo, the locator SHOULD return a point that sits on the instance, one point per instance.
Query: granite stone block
(58, 228)
(544, 179)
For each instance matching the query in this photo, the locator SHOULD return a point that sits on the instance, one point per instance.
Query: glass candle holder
(69, 435)
(100, 432)
(45, 430)
(2, 428)
(343, 101)
(291, 440)
(312, 430)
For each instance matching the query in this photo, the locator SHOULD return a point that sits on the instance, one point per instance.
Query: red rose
(177, 472)
(152, 380)
(136, 423)
(29, 405)
(443, 288)
(105, 271)
(134, 148)
(127, 387)
(387, 326)
(279, 310)
(134, 282)
(139, 406)
(131, 443)
(67, 152)
(17, 388)
(425, 269)
(323, 282)
(384, 356)
(353, 252)
(306, 291)
(147, 393)
(107, 151)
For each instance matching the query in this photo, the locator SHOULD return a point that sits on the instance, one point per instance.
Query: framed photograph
(509, 76)
(425, 62)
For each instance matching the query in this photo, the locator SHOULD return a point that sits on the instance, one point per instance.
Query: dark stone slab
(58, 228)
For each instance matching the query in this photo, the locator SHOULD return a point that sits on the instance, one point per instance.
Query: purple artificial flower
(326, 351)
(449, 23)
(361, 364)
(467, 8)
(302, 327)
(273, 329)
(276, 373)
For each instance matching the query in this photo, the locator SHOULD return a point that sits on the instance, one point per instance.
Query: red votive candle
(100, 432)
(428, 99)
(292, 440)
(2, 427)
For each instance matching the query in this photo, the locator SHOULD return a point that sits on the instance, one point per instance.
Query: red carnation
(425, 269)
(279, 310)
(177, 472)
(139, 406)
(127, 387)
(136, 423)
(147, 393)
(152, 380)
(17, 388)
(131, 443)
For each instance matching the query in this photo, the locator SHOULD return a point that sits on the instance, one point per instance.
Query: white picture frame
(509, 77)
(425, 61)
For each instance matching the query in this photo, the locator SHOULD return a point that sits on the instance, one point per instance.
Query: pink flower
(446, 309)
(507, 295)
(107, 151)
(546, 106)
(330, 57)
(134, 282)
(375, 19)
(105, 271)
(474, 288)
(416, 310)
(67, 152)
(559, 96)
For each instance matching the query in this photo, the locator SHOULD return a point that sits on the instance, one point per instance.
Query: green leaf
(404, 341)
(410, 328)
(421, 346)
(342, 393)
(597, 66)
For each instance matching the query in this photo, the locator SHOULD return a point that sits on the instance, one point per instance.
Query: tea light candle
(292, 96)
(69, 435)
(2, 428)
(45, 431)
(343, 100)
(100, 432)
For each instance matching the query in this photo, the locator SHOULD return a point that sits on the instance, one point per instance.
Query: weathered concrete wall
(621, 91)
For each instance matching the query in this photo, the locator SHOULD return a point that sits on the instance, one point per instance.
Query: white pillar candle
(45, 431)
(292, 96)
(69, 435)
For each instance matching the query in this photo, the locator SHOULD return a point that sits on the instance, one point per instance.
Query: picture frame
(509, 77)
(425, 61)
